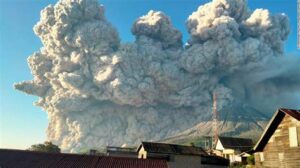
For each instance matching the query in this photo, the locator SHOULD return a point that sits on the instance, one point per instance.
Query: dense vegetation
(46, 147)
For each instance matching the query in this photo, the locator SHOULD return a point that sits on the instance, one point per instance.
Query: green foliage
(251, 160)
(46, 147)
(237, 165)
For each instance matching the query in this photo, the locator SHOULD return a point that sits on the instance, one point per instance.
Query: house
(279, 145)
(231, 148)
(29, 159)
(121, 152)
(178, 156)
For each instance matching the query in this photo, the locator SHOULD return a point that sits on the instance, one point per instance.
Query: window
(261, 156)
(293, 137)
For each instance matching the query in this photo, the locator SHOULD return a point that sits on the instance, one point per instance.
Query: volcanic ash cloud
(99, 92)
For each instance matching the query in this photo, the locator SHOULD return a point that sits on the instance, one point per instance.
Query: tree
(46, 147)
(251, 160)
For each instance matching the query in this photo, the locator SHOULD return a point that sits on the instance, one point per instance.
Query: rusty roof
(163, 148)
(293, 113)
(272, 126)
(28, 159)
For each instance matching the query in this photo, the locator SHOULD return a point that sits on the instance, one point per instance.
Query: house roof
(29, 159)
(241, 144)
(120, 149)
(272, 126)
(121, 152)
(163, 148)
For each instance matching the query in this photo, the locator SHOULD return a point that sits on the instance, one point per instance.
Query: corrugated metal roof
(28, 159)
(163, 148)
(241, 144)
(293, 113)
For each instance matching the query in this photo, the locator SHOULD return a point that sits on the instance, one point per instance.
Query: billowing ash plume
(97, 91)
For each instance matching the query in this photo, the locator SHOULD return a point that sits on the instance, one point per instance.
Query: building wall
(219, 145)
(235, 158)
(230, 154)
(180, 161)
(184, 161)
(188, 161)
(278, 153)
(142, 153)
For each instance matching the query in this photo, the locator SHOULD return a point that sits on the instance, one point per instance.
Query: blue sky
(21, 123)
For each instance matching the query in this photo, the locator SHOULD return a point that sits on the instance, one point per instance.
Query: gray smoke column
(98, 92)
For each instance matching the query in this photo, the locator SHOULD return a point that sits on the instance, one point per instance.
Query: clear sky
(21, 123)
